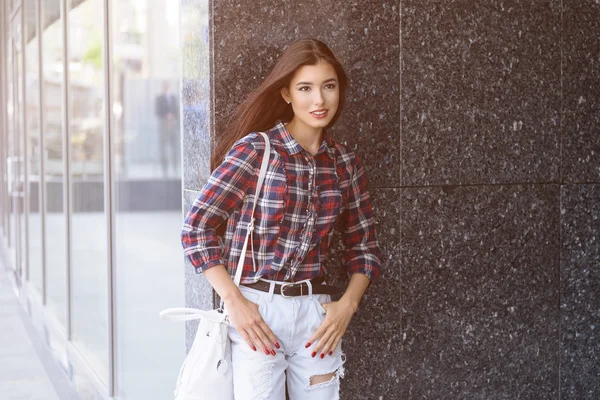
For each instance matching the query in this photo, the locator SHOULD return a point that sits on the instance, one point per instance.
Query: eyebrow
(310, 83)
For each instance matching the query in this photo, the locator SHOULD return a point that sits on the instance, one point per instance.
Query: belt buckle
(286, 285)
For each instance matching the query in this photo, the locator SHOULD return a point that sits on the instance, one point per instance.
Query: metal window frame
(108, 182)
(9, 127)
(61, 332)
(3, 197)
(24, 140)
(42, 13)
(107, 388)
(42, 167)
(15, 262)
(6, 19)
(10, 19)
(109, 196)
(66, 137)
(99, 384)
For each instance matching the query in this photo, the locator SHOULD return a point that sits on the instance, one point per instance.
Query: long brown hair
(264, 106)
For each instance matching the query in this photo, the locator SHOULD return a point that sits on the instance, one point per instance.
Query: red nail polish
(331, 352)
(276, 344)
(307, 345)
(314, 354)
(273, 352)
(322, 355)
(266, 351)
(253, 348)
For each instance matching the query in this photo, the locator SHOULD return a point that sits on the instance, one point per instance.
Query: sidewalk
(22, 374)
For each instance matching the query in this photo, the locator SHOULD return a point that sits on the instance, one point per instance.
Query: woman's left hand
(339, 314)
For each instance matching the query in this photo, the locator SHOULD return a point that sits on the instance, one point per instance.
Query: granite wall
(477, 122)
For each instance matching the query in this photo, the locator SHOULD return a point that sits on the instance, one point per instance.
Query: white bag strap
(259, 183)
(188, 314)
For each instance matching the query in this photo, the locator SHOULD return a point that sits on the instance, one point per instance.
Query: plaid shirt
(301, 199)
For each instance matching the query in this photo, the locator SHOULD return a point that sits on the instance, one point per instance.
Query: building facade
(91, 194)
(477, 123)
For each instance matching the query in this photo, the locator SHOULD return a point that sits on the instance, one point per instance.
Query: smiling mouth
(319, 113)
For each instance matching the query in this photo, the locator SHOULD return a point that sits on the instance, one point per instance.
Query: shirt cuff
(368, 265)
(206, 258)
(208, 265)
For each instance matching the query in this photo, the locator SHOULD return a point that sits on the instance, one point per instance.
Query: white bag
(206, 373)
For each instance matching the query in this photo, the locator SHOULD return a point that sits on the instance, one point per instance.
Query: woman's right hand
(246, 319)
(243, 313)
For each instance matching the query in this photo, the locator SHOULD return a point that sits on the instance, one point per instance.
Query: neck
(307, 137)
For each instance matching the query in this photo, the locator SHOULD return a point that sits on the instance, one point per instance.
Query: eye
(330, 86)
(304, 88)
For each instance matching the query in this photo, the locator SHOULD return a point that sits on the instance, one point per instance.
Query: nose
(318, 97)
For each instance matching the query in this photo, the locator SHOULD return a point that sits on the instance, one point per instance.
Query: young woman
(283, 322)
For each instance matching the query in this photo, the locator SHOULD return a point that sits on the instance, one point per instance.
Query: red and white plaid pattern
(301, 199)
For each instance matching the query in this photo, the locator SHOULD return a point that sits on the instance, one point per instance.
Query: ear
(285, 93)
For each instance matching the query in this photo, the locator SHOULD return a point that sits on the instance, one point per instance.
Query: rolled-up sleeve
(363, 255)
(221, 195)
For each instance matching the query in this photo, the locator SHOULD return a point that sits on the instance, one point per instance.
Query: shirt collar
(293, 147)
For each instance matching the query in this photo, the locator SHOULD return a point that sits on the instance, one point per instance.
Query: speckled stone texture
(477, 123)
(196, 110)
(580, 292)
(248, 38)
(373, 342)
(581, 91)
(195, 92)
(198, 291)
(480, 92)
(479, 290)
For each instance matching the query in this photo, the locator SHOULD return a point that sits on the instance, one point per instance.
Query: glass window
(55, 233)
(33, 145)
(89, 284)
(10, 115)
(146, 147)
(10, 146)
(20, 151)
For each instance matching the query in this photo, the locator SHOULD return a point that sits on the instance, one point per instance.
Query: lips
(319, 114)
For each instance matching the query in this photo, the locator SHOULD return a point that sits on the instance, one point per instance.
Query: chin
(318, 123)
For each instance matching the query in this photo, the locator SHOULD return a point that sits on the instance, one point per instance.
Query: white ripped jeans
(293, 320)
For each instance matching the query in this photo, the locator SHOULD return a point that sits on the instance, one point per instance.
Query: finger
(322, 342)
(318, 333)
(265, 337)
(334, 346)
(316, 336)
(263, 340)
(247, 339)
(328, 346)
(269, 333)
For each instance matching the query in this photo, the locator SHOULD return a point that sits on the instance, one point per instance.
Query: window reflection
(55, 233)
(89, 282)
(33, 145)
(20, 161)
(11, 145)
(146, 147)
(147, 86)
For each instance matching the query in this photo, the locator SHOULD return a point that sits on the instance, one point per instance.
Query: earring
(288, 102)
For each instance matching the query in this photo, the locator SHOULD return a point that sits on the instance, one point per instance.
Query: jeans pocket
(319, 299)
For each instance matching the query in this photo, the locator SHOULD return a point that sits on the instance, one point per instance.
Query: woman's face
(314, 95)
